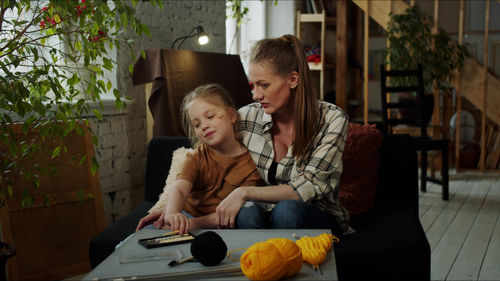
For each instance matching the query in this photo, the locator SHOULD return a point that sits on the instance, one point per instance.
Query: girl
(219, 164)
(296, 143)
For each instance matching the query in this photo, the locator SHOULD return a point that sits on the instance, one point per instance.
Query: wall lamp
(196, 31)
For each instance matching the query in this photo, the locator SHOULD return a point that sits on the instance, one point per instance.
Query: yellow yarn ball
(326, 241)
(263, 261)
(279, 258)
(292, 254)
(314, 256)
(314, 249)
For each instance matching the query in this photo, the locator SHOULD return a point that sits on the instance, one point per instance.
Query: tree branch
(2, 13)
(19, 35)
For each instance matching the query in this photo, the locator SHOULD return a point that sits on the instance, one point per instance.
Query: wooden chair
(423, 142)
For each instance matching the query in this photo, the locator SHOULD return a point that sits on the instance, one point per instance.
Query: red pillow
(359, 177)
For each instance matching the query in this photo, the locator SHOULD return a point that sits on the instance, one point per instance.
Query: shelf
(318, 66)
(316, 18)
(315, 66)
(322, 23)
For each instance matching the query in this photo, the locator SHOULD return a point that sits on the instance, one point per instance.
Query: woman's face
(272, 91)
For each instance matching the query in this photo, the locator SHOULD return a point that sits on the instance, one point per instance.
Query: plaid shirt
(316, 178)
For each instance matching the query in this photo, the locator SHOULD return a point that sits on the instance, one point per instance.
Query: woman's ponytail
(306, 112)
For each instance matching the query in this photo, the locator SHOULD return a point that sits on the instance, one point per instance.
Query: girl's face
(212, 124)
(271, 90)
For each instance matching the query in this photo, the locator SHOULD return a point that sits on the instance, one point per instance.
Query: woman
(296, 143)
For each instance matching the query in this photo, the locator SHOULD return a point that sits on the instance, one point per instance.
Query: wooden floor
(464, 232)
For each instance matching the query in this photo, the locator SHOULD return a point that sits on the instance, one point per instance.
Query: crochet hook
(174, 262)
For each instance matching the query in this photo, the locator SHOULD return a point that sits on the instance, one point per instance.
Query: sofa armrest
(104, 243)
(389, 243)
(159, 158)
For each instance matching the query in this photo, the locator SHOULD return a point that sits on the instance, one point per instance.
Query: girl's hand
(160, 221)
(178, 221)
(229, 207)
(149, 219)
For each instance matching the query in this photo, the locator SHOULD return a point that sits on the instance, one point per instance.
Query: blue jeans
(287, 214)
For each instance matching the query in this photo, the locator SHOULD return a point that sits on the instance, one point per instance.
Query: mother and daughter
(275, 163)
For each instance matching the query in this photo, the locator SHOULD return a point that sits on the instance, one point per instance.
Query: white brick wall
(121, 152)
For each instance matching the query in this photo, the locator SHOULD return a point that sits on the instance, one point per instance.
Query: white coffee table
(112, 269)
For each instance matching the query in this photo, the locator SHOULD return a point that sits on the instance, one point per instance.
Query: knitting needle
(318, 270)
(170, 233)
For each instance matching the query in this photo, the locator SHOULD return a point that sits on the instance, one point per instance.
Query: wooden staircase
(472, 72)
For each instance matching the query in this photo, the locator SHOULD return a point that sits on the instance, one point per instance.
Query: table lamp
(196, 31)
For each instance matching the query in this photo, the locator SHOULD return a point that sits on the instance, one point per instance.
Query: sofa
(389, 242)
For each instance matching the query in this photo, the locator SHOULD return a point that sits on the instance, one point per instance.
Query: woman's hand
(149, 219)
(228, 208)
(206, 221)
(178, 221)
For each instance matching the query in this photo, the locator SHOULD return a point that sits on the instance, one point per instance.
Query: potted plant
(53, 57)
(412, 41)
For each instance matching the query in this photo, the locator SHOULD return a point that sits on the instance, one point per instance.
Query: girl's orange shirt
(214, 176)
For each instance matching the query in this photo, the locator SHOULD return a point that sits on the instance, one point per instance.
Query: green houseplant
(411, 41)
(55, 56)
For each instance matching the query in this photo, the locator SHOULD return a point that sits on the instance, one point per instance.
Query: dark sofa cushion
(158, 163)
(360, 159)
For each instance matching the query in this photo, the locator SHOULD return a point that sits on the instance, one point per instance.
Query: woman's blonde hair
(213, 93)
(285, 55)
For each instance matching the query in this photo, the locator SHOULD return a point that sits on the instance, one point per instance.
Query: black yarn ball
(208, 248)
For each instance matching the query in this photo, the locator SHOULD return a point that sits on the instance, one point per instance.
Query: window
(264, 19)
